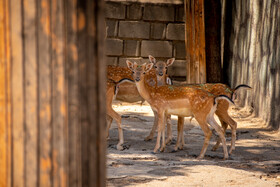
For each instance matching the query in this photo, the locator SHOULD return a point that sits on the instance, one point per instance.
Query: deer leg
(109, 120)
(182, 120)
(151, 135)
(169, 129)
(219, 130)
(225, 121)
(224, 127)
(163, 142)
(118, 119)
(160, 126)
(180, 136)
(207, 135)
(233, 126)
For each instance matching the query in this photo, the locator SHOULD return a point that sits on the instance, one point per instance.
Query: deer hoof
(120, 147)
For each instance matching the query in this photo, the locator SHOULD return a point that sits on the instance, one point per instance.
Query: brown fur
(178, 100)
(126, 92)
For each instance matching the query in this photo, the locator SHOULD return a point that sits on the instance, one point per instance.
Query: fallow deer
(182, 101)
(127, 92)
(221, 112)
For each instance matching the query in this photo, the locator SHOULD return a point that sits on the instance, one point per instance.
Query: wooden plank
(188, 42)
(101, 77)
(45, 116)
(201, 32)
(196, 59)
(3, 99)
(213, 40)
(30, 88)
(8, 94)
(83, 114)
(195, 41)
(74, 143)
(96, 94)
(59, 109)
(17, 94)
(92, 90)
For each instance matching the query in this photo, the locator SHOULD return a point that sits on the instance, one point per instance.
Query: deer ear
(148, 67)
(129, 65)
(170, 61)
(152, 59)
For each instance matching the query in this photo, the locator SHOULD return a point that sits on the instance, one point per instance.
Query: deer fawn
(182, 101)
(221, 112)
(122, 90)
(163, 79)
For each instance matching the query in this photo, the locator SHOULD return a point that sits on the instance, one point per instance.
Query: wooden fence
(52, 93)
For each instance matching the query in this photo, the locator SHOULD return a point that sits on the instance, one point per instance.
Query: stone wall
(136, 30)
(252, 54)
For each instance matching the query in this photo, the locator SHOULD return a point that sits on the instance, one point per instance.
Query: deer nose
(160, 74)
(137, 79)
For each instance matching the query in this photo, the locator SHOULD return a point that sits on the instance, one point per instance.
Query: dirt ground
(255, 162)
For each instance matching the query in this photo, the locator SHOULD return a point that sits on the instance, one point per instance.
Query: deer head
(160, 66)
(138, 71)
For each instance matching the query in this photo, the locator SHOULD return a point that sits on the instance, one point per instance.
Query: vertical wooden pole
(195, 41)
(3, 100)
(74, 142)
(45, 114)
(17, 89)
(96, 93)
(213, 40)
(30, 68)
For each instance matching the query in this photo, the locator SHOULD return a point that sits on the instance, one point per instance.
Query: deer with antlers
(182, 101)
(221, 112)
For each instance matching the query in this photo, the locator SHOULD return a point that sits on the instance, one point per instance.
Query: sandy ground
(255, 162)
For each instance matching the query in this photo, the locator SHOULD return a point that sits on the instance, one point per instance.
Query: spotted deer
(119, 89)
(221, 112)
(182, 101)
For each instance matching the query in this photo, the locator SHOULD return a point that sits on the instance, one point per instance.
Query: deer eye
(144, 73)
(133, 72)
(155, 66)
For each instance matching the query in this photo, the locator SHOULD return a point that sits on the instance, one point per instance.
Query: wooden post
(213, 18)
(195, 41)
(52, 93)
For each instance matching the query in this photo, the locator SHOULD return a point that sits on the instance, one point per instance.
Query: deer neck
(144, 89)
(161, 80)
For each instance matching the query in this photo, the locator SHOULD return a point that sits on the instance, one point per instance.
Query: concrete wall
(252, 54)
(138, 29)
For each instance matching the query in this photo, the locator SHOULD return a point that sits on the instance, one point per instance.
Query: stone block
(180, 50)
(134, 11)
(131, 48)
(180, 13)
(158, 30)
(122, 61)
(156, 48)
(178, 69)
(158, 12)
(111, 28)
(111, 60)
(114, 47)
(134, 29)
(175, 31)
(115, 10)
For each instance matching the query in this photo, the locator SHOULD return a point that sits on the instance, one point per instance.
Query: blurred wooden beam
(52, 93)
(195, 41)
